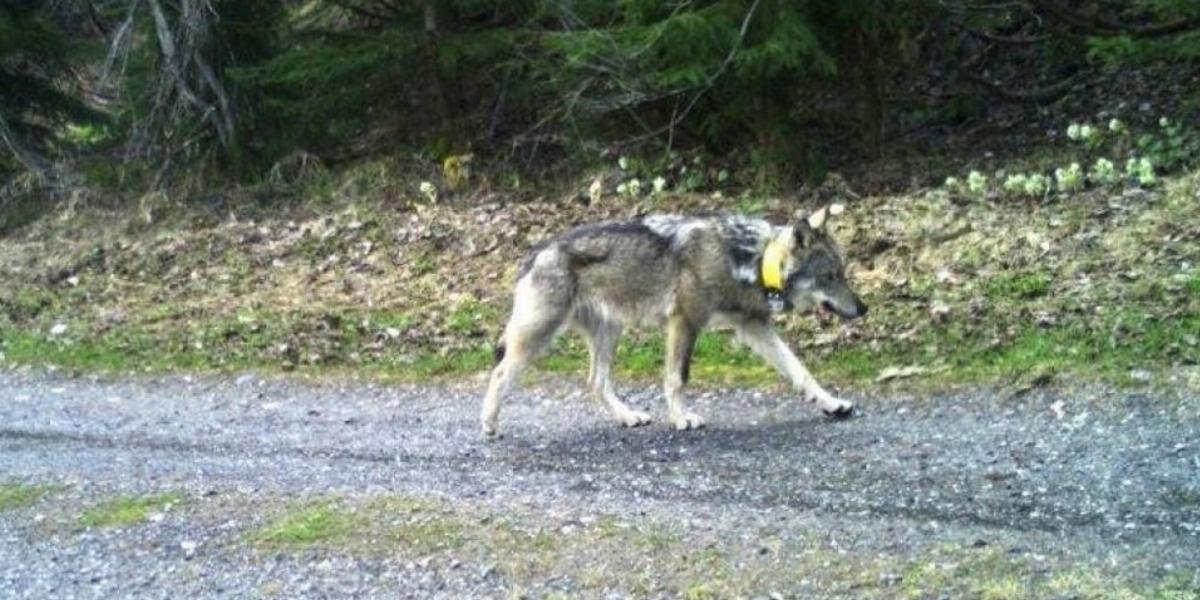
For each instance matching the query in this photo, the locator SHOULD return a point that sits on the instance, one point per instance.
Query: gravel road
(957, 494)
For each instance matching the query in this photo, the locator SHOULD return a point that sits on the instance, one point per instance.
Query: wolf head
(817, 276)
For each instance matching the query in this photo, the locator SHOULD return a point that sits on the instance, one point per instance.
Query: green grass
(994, 574)
(308, 525)
(1107, 347)
(382, 524)
(127, 510)
(647, 559)
(18, 495)
(1023, 286)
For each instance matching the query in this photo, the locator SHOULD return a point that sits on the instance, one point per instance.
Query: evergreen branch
(1104, 26)
(710, 82)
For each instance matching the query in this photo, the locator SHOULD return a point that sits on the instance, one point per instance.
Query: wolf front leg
(762, 339)
(681, 338)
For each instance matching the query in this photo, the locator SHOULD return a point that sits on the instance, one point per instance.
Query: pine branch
(1101, 25)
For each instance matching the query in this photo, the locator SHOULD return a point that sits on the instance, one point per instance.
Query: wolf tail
(498, 353)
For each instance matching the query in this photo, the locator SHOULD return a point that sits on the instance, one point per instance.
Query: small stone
(1140, 375)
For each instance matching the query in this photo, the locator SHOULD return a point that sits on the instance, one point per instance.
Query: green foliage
(635, 56)
(37, 95)
(1172, 147)
(1127, 48)
(325, 87)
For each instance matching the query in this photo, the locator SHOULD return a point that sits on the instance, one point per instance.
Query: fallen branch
(1040, 94)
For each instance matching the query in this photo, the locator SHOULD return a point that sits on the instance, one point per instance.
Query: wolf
(682, 272)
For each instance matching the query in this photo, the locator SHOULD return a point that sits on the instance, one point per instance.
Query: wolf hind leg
(602, 336)
(538, 315)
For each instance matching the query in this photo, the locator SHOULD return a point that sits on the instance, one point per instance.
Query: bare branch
(28, 158)
(1010, 40)
(1040, 94)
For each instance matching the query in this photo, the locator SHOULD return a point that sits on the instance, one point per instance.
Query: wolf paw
(634, 418)
(491, 432)
(838, 409)
(687, 421)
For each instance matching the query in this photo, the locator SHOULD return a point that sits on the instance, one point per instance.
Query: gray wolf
(684, 272)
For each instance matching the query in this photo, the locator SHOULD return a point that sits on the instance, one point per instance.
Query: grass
(1124, 340)
(645, 559)
(307, 525)
(387, 523)
(1022, 286)
(993, 574)
(128, 510)
(16, 495)
(204, 299)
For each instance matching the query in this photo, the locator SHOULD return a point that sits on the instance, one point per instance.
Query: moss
(18, 495)
(127, 510)
(321, 522)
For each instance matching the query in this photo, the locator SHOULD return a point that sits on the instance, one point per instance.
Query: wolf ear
(819, 219)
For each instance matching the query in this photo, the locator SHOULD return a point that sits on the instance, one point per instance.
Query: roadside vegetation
(123, 511)
(593, 554)
(346, 186)
(17, 495)
(1098, 283)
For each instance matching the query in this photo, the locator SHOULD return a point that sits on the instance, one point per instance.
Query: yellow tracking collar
(774, 257)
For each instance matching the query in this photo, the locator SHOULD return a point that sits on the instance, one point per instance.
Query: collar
(774, 261)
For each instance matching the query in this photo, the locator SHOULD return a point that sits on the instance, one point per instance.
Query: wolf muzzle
(857, 311)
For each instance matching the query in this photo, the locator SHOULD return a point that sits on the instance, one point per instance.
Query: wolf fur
(684, 272)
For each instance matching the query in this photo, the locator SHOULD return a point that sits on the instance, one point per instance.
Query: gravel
(1083, 476)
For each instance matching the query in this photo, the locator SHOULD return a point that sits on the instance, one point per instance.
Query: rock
(891, 373)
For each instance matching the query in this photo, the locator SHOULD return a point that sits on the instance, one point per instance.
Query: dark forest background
(139, 92)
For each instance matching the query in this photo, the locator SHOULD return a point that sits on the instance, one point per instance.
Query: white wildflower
(1015, 184)
(1037, 185)
(1141, 169)
(623, 163)
(596, 190)
(951, 183)
(1116, 126)
(977, 183)
(1073, 131)
(634, 187)
(1164, 122)
(1087, 132)
(1069, 179)
(622, 188)
(1103, 171)
(430, 191)
(660, 184)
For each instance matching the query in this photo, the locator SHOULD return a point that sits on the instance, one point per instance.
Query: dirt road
(241, 486)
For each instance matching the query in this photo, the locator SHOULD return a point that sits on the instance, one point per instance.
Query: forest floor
(250, 486)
